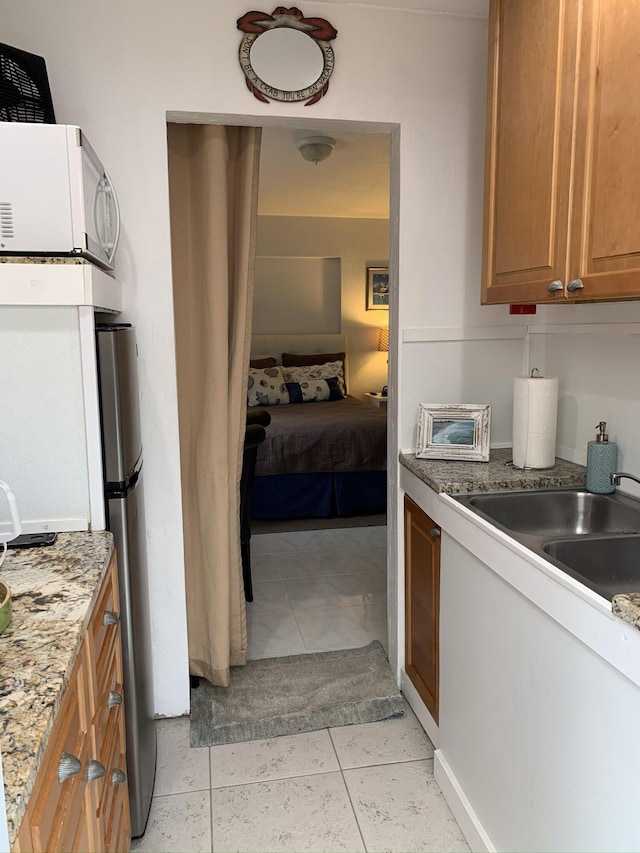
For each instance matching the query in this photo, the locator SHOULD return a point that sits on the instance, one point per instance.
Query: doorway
(386, 542)
(320, 583)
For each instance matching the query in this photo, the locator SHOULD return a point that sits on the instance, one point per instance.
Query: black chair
(256, 433)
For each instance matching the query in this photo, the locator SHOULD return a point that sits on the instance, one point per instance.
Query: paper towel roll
(535, 417)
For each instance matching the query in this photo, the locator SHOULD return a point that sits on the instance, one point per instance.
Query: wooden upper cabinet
(532, 65)
(562, 187)
(605, 227)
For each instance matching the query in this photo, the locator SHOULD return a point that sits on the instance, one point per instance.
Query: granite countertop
(53, 589)
(452, 477)
(627, 607)
(42, 259)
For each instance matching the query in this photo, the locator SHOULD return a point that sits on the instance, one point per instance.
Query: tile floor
(317, 590)
(354, 788)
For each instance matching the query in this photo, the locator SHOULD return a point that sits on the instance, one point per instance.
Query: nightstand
(375, 398)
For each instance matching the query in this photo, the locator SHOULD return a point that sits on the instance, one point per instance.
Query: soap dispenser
(601, 462)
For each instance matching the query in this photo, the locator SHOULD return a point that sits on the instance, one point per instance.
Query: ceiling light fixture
(316, 148)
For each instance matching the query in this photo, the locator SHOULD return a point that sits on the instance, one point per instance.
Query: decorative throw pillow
(266, 387)
(330, 370)
(314, 390)
(304, 359)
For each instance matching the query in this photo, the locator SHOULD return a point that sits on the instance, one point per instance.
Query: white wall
(117, 70)
(43, 446)
(595, 352)
(296, 294)
(358, 243)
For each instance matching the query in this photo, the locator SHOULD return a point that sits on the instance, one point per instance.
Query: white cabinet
(50, 428)
(58, 282)
(539, 730)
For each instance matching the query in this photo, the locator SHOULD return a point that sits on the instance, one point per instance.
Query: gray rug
(300, 693)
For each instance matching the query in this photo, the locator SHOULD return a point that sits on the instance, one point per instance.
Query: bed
(321, 459)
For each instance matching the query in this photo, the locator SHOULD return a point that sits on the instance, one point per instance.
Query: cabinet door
(56, 804)
(422, 597)
(530, 106)
(78, 814)
(605, 235)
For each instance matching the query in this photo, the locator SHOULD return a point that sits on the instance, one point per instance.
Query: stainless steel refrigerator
(122, 459)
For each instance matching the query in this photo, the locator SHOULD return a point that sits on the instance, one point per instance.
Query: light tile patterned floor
(354, 788)
(317, 590)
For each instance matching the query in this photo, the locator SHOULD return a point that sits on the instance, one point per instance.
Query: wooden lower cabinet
(422, 603)
(80, 799)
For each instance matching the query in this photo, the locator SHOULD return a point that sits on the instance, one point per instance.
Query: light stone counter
(627, 607)
(42, 259)
(450, 477)
(53, 589)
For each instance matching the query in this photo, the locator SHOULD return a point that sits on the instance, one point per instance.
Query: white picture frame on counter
(454, 431)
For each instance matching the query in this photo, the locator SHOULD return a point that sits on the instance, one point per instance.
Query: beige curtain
(213, 182)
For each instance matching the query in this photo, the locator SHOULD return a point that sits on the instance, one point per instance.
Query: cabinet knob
(555, 285)
(115, 698)
(68, 766)
(95, 770)
(117, 777)
(575, 284)
(435, 531)
(110, 618)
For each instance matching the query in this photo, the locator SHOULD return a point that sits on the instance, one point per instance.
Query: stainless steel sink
(609, 565)
(558, 513)
(593, 538)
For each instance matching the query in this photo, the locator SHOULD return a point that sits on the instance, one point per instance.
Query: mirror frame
(255, 24)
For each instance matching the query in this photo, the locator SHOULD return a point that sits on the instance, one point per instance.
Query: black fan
(24, 87)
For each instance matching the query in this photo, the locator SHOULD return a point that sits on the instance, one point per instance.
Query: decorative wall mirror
(285, 56)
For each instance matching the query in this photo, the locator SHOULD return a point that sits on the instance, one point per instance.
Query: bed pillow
(266, 387)
(308, 378)
(261, 363)
(314, 390)
(302, 359)
(292, 359)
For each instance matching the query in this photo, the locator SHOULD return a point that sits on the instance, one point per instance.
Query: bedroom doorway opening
(345, 557)
(318, 544)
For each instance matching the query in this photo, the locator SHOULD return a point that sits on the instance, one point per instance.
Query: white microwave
(55, 196)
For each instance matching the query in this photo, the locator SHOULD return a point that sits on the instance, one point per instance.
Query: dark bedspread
(343, 435)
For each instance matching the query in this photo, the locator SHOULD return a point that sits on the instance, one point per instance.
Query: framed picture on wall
(377, 288)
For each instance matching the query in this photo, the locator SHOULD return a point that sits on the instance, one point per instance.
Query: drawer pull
(110, 618)
(115, 698)
(575, 284)
(95, 770)
(554, 286)
(435, 531)
(68, 766)
(117, 777)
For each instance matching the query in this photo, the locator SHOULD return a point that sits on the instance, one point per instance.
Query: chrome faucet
(618, 475)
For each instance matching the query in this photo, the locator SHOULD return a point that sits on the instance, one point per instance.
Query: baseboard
(467, 819)
(419, 708)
